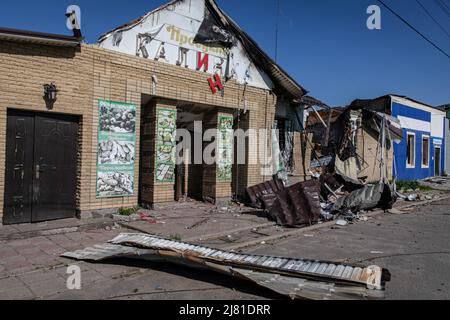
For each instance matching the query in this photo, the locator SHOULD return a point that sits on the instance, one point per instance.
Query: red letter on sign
(202, 62)
(217, 84)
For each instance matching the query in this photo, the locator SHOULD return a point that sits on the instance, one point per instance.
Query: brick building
(108, 139)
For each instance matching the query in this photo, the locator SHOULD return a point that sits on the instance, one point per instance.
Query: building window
(411, 151)
(425, 151)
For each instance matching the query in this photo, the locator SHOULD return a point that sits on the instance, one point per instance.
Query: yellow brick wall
(89, 73)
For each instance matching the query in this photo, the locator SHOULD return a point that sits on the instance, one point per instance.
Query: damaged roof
(313, 119)
(135, 21)
(280, 77)
(384, 102)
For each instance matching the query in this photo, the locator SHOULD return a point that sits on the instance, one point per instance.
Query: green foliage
(411, 185)
(175, 237)
(128, 211)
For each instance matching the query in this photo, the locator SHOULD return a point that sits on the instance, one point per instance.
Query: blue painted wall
(402, 172)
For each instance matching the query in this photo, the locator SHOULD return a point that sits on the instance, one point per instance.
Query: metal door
(41, 167)
(55, 160)
(437, 161)
(19, 167)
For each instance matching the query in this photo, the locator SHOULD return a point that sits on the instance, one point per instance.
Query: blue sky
(324, 44)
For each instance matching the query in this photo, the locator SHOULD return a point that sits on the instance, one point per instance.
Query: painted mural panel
(116, 151)
(225, 149)
(166, 145)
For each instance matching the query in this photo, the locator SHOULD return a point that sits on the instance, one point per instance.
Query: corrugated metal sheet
(298, 205)
(356, 281)
(264, 192)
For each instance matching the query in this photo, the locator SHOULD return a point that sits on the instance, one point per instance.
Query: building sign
(216, 83)
(225, 149)
(189, 36)
(116, 149)
(166, 145)
(176, 46)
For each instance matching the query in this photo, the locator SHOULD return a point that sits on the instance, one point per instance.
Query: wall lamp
(50, 95)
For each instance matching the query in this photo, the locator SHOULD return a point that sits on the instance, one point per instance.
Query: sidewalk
(33, 269)
(31, 230)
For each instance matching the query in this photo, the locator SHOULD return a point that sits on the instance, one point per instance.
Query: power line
(414, 29)
(443, 3)
(443, 7)
(431, 16)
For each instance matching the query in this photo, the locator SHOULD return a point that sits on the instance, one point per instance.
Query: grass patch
(412, 185)
(175, 237)
(128, 211)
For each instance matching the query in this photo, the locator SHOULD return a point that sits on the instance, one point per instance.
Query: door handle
(38, 171)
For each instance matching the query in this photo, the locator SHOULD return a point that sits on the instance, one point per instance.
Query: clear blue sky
(323, 44)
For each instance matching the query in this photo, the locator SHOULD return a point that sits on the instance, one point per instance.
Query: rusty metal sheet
(261, 193)
(298, 205)
(307, 289)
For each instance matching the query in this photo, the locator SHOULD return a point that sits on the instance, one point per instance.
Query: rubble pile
(338, 188)
(322, 199)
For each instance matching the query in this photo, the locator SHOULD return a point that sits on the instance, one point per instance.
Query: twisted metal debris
(295, 278)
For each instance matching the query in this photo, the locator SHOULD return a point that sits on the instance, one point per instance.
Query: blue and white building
(421, 153)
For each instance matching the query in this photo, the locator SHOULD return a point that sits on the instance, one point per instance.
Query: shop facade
(90, 128)
(94, 86)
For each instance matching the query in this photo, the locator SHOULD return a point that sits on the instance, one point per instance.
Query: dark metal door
(19, 167)
(55, 160)
(41, 167)
(437, 161)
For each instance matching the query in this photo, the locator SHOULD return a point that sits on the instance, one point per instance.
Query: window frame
(409, 165)
(427, 165)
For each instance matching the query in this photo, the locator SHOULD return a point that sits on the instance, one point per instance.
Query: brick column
(157, 170)
(217, 179)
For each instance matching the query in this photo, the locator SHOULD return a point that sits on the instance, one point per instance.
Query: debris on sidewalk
(370, 197)
(263, 195)
(295, 278)
(147, 218)
(341, 223)
(297, 205)
(437, 183)
(198, 223)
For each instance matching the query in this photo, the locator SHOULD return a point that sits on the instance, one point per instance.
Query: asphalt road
(414, 247)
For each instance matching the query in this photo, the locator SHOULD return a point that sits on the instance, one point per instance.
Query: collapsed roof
(282, 80)
(383, 103)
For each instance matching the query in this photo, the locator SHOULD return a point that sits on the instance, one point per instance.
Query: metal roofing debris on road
(298, 204)
(295, 278)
